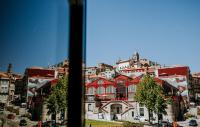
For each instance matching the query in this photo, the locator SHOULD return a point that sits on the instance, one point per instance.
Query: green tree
(57, 100)
(52, 103)
(151, 95)
(161, 103)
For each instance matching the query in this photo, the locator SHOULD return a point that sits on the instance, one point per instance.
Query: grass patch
(98, 123)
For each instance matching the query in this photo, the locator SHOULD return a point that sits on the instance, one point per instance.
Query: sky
(165, 31)
(35, 32)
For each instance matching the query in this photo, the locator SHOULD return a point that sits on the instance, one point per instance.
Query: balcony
(89, 98)
(119, 99)
(102, 97)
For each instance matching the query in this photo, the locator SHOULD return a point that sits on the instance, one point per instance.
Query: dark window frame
(76, 59)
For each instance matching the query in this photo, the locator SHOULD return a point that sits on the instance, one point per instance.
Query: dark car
(23, 122)
(193, 123)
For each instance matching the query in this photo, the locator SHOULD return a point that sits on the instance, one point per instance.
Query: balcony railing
(119, 99)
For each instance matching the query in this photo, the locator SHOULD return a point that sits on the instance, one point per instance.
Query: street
(186, 123)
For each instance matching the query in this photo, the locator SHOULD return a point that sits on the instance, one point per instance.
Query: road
(186, 123)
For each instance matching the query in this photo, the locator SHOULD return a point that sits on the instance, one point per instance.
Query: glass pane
(34, 37)
(128, 40)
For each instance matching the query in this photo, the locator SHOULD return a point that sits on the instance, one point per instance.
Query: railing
(105, 99)
(119, 99)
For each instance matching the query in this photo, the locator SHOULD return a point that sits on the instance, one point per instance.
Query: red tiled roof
(37, 72)
(136, 80)
(159, 81)
(95, 83)
(124, 77)
(128, 69)
(150, 69)
(54, 82)
(173, 71)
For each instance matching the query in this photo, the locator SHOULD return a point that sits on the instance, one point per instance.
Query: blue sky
(35, 32)
(164, 31)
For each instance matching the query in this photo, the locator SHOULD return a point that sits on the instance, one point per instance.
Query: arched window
(131, 88)
(91, 90)
(110, 89)
(100, 90)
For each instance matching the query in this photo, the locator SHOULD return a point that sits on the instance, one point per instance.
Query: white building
(4, 88)
(110, 100)
(122, 65)
(108, 74)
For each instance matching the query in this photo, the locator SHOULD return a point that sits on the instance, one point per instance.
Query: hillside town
(109, 90)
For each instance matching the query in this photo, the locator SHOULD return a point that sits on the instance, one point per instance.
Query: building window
(141, 111)
(90, 107)
(151, 114)
(118, 110)
(131, 88)
(120, 82)
(91, 90)
(132, 113)
(90, 98)
(110, 89)
(4, 82)
(100, 90)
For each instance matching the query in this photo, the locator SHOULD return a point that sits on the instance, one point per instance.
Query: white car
(142, 119)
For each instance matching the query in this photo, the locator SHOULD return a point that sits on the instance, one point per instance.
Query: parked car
(23, 122)
(193, 123)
